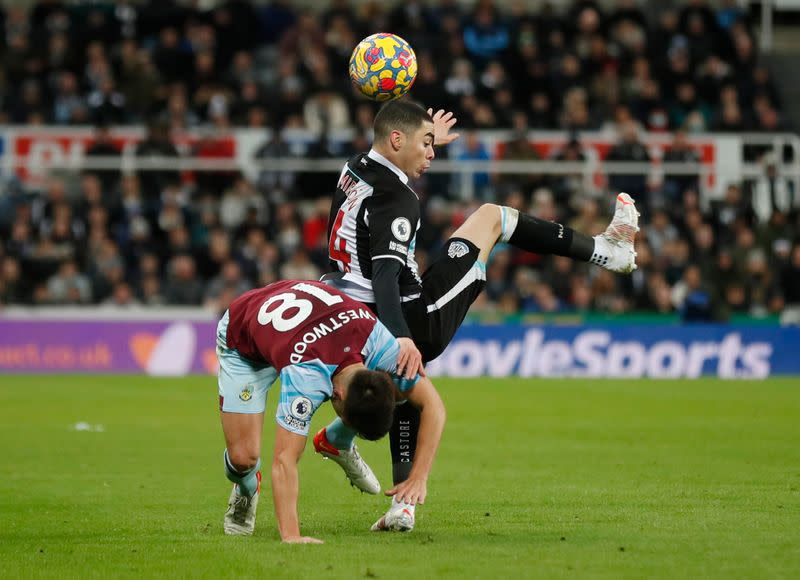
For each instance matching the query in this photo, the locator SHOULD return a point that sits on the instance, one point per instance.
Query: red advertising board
(59, 149)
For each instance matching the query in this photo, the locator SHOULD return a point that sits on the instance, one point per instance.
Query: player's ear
(397, 138)
(337, 393)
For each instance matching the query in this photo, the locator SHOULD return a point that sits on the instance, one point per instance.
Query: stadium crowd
(158, 237)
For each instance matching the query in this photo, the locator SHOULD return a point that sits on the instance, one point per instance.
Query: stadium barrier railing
(33, 153)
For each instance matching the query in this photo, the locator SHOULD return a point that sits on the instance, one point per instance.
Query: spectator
(69, 106)
(629, 148)
(107, 268)
(474, 150)
(703, 243)
(687, 102)
(288, 235)
(567, 186)
(300, 267)
(680, 151)
(121, 297)
(485, 35)
(183, 286)
(12, 284)
(139, 80)
(315, 232)
(69, 286)
(104, 147)
(157, 146)
(790, 279)
(540, 112)
(213, 145)
(731, 210)
(519, 148)
(773, 193)
(589, 220)
(460, 82)
(275, 147)
(326, 111)
(106, 104)
(237, 200)
(150, 291)
(229, 278)
(692, 300)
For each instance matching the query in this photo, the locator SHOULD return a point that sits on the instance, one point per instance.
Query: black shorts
(449, 287)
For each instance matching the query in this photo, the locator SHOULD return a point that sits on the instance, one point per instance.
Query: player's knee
(490, 216)
(242, 459)
(490, 213)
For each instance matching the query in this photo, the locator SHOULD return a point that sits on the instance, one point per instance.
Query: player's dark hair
(369, 404)
(403, 115)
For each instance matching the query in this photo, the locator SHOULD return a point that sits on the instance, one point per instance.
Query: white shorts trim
(382, 256)
(475, 273)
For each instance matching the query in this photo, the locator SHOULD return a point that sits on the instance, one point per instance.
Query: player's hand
(443, 121)
(409, 361)
(411, 491)
(301, 540)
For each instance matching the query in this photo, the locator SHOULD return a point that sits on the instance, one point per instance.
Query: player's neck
(386, 156)
(343, 377)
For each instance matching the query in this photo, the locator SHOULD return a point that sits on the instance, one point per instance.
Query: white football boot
(399, 518)
(613, 249)
(240, 518)
(355, 468)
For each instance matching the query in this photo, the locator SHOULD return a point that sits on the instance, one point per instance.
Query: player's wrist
(289, 535)
(418, 477)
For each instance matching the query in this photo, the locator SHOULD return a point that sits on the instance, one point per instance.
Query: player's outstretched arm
(285, 485)
(443, 121)
(386, 273)
(432, 419)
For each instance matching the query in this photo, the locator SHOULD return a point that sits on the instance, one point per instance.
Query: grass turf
(557, 478)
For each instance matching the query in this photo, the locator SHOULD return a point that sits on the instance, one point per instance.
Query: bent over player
(323, 345)
(374, 220)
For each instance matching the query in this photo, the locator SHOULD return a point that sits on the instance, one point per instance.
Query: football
(383, 66)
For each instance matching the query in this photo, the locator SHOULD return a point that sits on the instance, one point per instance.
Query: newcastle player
(374, 219)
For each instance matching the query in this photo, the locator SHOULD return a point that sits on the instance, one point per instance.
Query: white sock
(602, 251)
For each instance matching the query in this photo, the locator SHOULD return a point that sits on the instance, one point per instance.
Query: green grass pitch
(534, 478)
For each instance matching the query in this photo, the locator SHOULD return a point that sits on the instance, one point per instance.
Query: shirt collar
(375, 156)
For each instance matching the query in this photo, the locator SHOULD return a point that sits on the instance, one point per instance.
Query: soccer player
(373, 223)
(323, 345)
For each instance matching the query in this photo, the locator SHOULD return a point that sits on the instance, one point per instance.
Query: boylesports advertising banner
(176, 348)
(621, 351)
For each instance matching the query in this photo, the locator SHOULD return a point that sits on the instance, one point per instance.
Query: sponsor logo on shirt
(401, 229)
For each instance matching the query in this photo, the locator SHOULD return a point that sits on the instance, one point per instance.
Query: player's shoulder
(382, 177)
(389, 191)
(365, 169)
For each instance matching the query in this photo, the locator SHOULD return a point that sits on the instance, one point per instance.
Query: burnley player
(323, 345)
(374, 220)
